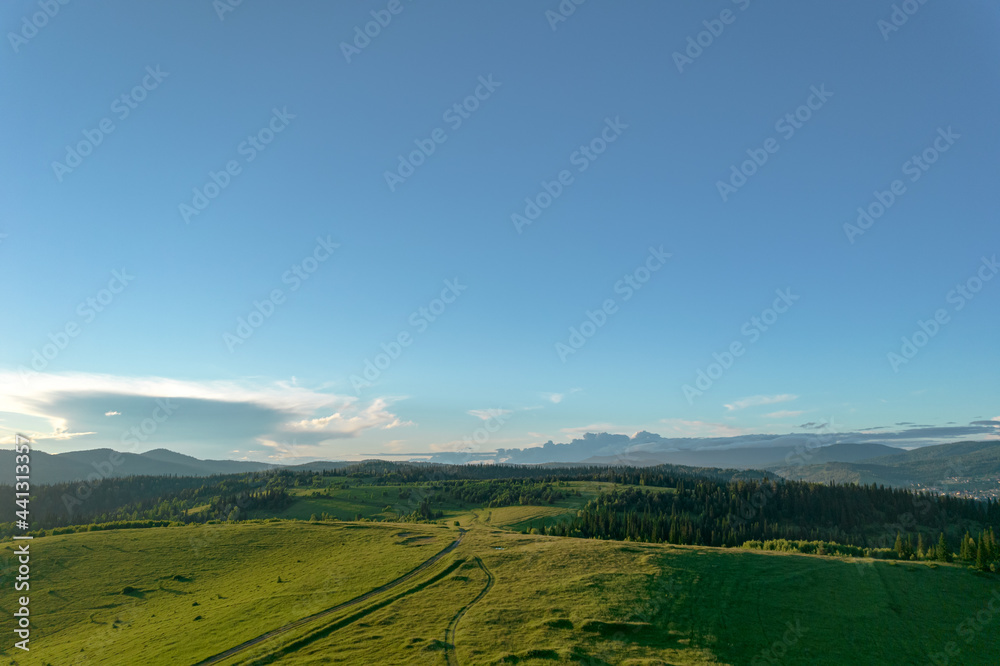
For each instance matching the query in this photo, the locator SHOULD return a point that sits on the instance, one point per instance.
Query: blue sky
(300, 124)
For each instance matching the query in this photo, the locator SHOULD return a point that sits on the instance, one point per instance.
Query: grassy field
(398, 633)
(359, 501)
(520, 518)
(173, 594)
(178, 595)
(376, 502)
(621, 603)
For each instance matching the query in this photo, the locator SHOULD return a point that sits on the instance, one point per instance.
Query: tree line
(145, 498)
(712, 513)
(503, 492)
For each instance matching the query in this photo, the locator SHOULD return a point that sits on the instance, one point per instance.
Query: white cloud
(556, 398)
(395, 445)
(758, 400)
(784, 414)
(487, 414)
(685, 428)
(58, 434)
(349, 424)
(451, 447)
(16, 396)
(600, 427)
(212, 412)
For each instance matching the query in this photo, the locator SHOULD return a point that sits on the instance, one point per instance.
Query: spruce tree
(922, 548)
(943, 554)
(965, 551)
(898, 547)
(982, 563)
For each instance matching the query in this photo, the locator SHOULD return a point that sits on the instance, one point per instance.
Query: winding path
(449, 633)
(214, 659)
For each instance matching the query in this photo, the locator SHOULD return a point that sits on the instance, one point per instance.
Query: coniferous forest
(664, 504)
(715, 514)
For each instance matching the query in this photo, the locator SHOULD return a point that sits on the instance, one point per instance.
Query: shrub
(561, 623)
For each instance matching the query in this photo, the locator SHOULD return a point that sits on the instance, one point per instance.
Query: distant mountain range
(647, 448)
(751, 457)
(78, 465)
(970, 468)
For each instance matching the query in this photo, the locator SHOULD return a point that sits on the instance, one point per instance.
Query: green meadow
(522, 518)
(370, 502)
(179, 595)
(175, 594)
(367, 501)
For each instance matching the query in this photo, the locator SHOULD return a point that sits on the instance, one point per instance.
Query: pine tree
(943, 554)
(965, 551)
(898, 547)
(982, 561)
(922, 549)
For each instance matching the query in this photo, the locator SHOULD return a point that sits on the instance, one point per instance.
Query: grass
(363, 500)
(178, 595)
(690, 605)
(100, 595)
(403, 628)
(406, 632)
(359, 501)
(558, 600)
(520, 518)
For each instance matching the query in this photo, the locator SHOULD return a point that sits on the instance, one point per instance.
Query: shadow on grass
(537, 653)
